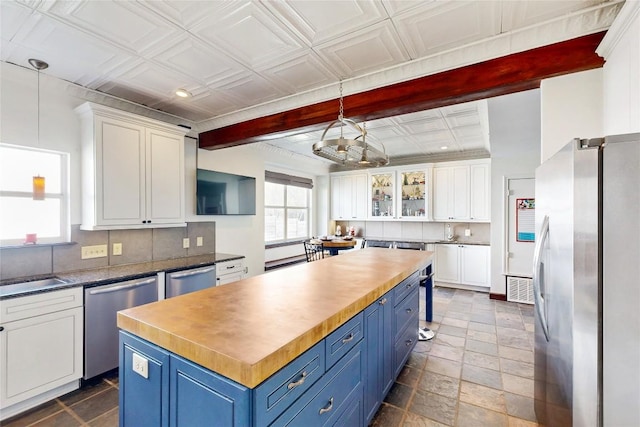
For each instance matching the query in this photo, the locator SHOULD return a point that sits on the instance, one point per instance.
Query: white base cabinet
(41, 343)
(230, 271)
(463, 264)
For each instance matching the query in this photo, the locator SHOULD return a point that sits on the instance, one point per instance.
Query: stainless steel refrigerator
(587, 284)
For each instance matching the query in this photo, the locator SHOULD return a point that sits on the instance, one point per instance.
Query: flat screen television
(220, 193)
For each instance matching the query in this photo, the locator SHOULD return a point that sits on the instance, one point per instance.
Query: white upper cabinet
(415, 191)
(349, 197)
(461, 192)
(132, 171)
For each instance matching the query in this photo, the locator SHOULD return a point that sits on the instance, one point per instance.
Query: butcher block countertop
(248, 330)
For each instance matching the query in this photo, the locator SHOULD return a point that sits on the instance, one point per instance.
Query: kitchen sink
(30, 286)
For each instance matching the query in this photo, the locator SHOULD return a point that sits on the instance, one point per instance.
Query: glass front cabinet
(400, 194)
(383, 195)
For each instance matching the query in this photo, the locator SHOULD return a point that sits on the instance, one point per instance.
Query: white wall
(514, 127)
(621, 75)
(571, 107)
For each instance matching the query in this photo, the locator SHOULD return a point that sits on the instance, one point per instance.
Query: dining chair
(314, 251)
(364, 243)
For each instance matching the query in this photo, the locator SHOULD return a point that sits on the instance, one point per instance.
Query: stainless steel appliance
(185, 281)
(586, 270)
(101, 303)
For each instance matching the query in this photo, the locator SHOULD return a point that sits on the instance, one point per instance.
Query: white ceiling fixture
(350, 152)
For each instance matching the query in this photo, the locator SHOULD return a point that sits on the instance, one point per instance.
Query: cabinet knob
(1, 328)
(383, 301)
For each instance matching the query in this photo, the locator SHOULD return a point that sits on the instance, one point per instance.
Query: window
(19, 213)
(287, 201)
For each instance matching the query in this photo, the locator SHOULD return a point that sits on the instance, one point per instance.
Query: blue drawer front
(280, 390)
(405, 344)
(200, 397)
(406, 312)
(343, 339)
(406, 286)
(136, 392)
(327, 401)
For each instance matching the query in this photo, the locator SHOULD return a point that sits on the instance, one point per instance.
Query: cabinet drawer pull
(349, 338)
(408, 285)
(1, 328)
(409, 310)
(409, 342)
(327, 408)
(383, 301)
(299, 382)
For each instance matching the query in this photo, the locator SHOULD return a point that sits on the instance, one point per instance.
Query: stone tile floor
(476, 372)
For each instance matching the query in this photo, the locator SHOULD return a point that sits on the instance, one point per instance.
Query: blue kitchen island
(315, 344)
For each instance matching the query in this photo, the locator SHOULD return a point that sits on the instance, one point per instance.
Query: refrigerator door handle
(538, 276)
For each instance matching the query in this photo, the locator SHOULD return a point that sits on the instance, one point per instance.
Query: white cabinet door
(441, 194)
(447, 263)
(480, 200)
(460, 192)
(39, 354)
(164, 177)
(451, 193)
(359, 196)
(475, 265)
(336, 197)
(120, 171)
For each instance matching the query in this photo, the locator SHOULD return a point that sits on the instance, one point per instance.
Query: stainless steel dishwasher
(101, 304)
(185, 281)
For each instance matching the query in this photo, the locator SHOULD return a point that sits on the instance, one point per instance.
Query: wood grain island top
(248, 330)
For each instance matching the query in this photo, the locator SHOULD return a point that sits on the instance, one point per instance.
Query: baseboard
(500, 297)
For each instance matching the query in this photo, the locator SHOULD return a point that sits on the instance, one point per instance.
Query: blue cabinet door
(378, 367)
(143, 401)
(202, 398)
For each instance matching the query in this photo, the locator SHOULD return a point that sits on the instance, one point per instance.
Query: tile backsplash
(138, 245)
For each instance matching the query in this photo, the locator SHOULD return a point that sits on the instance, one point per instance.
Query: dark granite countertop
(100, 276)
(427, 241)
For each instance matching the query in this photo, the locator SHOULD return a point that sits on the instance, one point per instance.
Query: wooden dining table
(336, 245)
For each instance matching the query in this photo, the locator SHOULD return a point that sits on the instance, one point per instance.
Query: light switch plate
(140, 365)
(95, 251)
(117, 249)
(467, 232)
(199, 241)
(185, 243)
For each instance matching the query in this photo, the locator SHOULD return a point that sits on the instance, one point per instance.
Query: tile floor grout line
(71, 412)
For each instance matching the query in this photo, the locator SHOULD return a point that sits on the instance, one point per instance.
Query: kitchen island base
(342, 379)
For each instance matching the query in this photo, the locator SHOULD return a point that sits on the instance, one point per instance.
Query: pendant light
(38, 181)
(356, 152)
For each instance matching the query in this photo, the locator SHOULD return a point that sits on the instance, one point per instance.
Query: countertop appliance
(586, 270)
(101, 303)
(185, 281)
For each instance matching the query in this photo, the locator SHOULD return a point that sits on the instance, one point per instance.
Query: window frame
(64, 227)
(286, 184)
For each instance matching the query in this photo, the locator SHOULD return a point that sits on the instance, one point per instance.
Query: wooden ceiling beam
(500, 76)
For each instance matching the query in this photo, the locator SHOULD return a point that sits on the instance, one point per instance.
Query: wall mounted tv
(219, 193)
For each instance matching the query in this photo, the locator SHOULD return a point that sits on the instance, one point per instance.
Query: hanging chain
(341, 115)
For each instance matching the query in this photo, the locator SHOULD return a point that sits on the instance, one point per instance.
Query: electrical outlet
(117, 249)
(140, 365)
(95, 251)
(467, 232)
(185, 243)
(199, 241)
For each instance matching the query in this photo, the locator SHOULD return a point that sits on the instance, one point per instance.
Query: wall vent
(520, 289)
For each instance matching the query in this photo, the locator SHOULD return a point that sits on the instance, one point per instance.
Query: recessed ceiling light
(444, 147)
(183, 93)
